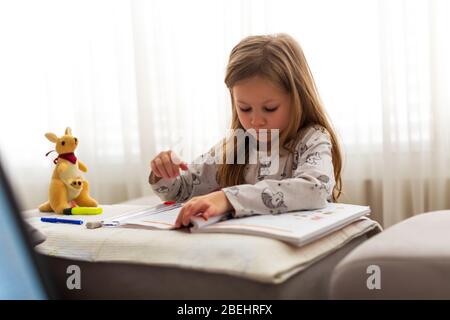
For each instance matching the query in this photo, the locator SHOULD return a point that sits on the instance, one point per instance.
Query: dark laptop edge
(38, 261)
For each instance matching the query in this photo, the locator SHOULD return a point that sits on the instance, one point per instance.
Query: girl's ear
(52, 137)
(68, 131)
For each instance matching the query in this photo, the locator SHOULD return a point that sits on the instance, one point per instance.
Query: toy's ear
(68, 131)
(52, 137)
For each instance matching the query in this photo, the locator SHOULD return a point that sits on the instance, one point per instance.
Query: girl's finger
(180, 215)
(177, 221)
(197, 207)
(186, 216)
(167, 164)
(208, 213)
(176, 170)
(161, 168)
(155, 169)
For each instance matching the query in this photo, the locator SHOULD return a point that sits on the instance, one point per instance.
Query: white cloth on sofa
(257, 258)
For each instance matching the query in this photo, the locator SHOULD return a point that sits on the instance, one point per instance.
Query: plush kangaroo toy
(67, 186)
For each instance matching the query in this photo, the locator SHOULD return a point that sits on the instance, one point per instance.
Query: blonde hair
(280, 59)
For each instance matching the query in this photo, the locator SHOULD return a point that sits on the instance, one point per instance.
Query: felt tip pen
(59, 220)
(83, 211)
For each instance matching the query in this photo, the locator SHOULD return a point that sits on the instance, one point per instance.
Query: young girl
(271, 87)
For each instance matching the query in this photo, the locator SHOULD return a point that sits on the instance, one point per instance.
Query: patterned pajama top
(304, 179)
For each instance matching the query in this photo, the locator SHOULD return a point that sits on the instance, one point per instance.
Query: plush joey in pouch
(67, 186)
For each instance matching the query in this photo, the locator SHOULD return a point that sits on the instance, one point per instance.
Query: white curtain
(133, 78)
(398, 160)
(70, 64)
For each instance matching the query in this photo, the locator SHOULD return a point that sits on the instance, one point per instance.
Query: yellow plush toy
(67, 187)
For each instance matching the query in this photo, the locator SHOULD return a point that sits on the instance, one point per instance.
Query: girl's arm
(309, 188)
(199, 179)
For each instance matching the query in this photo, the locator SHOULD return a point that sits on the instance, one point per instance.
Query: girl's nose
(258, 121)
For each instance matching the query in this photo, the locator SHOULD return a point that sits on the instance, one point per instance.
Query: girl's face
(260, 104)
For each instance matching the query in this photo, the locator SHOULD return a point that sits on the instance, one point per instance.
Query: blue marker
(59, 220)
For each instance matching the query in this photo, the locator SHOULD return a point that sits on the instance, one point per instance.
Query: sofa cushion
(409, 260)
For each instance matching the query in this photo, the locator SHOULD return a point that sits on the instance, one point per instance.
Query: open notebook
(299, 227)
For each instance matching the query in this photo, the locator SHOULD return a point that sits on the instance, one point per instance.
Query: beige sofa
(410, 260)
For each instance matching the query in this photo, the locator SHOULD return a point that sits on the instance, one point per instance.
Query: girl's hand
(167, 165)
(212, 204)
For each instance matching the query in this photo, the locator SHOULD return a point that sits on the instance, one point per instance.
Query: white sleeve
(309, 188)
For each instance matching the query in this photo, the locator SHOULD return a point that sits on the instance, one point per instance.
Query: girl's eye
(245, 109)
(271, 109)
